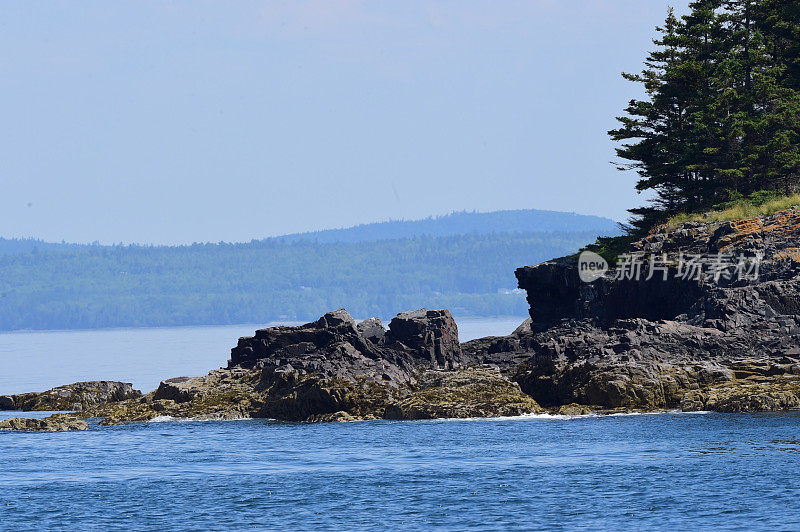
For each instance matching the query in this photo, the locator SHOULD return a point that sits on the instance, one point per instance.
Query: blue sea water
(666, 471)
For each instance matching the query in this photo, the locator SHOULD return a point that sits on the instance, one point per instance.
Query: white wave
(162, 419)
(556, 417)
(201, 419)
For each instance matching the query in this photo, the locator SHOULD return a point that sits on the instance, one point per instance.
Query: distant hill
(32, 245)
(71, 286)
(462, 223)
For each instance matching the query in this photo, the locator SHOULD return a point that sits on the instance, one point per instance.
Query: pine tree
(671, 153)
(722, 113)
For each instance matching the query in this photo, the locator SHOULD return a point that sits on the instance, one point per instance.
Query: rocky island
(661, 340)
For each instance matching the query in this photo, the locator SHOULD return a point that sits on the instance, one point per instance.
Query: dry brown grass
(741, 211)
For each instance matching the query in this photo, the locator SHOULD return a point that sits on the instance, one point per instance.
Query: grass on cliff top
(761, 203)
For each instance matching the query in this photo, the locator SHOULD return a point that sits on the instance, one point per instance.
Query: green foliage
(115, 286)
(756, 199)
(721, 119)
(610, 248)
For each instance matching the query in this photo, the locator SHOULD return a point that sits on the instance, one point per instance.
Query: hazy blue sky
(172, 122)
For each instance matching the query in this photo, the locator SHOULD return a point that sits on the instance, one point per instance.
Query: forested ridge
(92, 286)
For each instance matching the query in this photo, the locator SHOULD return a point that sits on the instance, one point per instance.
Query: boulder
(373, 330)
(430, 336)
(335, 346)
(178, 389)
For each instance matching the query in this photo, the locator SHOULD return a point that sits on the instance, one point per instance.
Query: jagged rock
(334, 346)
(54, 423)
(373, 330)
(431, 336)
(334, 369)
(77, 396)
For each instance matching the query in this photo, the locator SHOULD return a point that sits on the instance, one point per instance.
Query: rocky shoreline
(616, 344)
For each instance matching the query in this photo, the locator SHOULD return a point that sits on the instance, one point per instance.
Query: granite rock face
(77, 396)
(697, 343)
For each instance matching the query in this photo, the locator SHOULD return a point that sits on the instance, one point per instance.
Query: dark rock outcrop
(77, 396)
(335, 346)
(430, 335)
(373, 330)
(699, 342)
(505, 353)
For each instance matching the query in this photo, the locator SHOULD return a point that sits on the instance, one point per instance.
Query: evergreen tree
(722, 111)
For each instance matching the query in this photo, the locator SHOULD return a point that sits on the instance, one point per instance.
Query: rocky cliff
(705, 316)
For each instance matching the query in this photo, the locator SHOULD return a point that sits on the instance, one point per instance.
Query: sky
(197, 121)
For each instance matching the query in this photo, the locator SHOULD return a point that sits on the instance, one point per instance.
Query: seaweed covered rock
(463, 394)
(54, 423)
(77, 396)
(293, 396)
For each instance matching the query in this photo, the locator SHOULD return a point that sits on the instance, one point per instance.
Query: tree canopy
(721, 116)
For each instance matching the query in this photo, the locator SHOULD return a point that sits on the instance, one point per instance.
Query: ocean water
(38, 361)
(669, 471)
(666, 472)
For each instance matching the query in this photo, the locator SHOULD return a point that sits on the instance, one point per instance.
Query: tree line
(80, 287)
